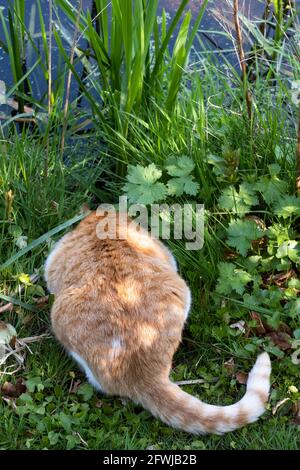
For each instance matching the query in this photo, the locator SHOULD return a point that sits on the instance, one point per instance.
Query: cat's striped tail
(168, 402)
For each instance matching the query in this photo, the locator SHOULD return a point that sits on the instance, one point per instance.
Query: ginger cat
(119, 310)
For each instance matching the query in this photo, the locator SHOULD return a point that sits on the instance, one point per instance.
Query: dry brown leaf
(281, 278)
(241, 377)
(8, 389)
(259, 222)
(280, 339)
(283, 327)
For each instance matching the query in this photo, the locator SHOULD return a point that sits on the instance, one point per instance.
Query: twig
(33, 339)
(49, 86)
(190, 382)
(241, 56)
(6, 308)
(278, 405)
(66, 107)
(81, 439)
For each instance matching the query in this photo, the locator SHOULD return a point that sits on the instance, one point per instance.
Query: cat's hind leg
(86, 369)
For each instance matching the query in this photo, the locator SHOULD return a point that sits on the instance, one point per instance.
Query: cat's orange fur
(120, 307)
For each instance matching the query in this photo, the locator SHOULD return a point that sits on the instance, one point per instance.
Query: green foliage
(232, 279)
(142, 182)
(123, 56)
(271, 188)
(241, 234)
(287, 207)
(266, 253)
(183, 182)
(142, 186)
(238, 202)
(140, 113)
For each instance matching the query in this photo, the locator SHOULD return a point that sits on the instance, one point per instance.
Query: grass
(208, 121)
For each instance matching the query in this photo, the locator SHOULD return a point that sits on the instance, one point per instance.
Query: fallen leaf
(259, 222)
(285, 328)
(241, 377)
(280, 279)
(11, 390)
(98, 404)
(280, 339)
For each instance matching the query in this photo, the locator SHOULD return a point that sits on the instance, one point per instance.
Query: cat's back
(90, 253)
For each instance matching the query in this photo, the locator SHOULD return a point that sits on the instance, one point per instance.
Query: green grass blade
(18, 302)
(42, 239)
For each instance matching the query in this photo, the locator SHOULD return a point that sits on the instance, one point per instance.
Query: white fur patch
(173, 262)
(89, 374)
(51, 256)
(116, 347)
(188, 305)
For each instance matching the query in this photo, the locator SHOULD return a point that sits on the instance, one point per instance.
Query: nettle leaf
(271, 187)
(287, 206)
(238, 202)
(232, 279)
(179, 166)
(184, 184)
(143, 174)
(142, 186)
(241, 234)
(289, 249)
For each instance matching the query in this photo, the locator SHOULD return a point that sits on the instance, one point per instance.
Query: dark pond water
(217, 10)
